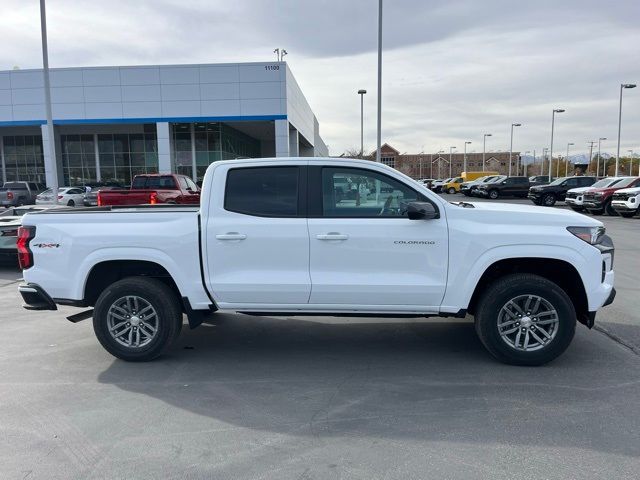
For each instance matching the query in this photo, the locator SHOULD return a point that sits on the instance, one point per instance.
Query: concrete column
(282, 138)
(164, 147)
(97, 154)
(4, 165)
(52, 172)
(193, 152)
(294, 145)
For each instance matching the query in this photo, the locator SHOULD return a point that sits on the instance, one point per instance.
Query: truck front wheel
(137, 318)
(525, 319)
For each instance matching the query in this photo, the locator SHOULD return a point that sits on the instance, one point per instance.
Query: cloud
(453, 70)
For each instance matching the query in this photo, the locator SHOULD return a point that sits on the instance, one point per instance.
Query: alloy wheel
(132, 321)
(528, 323)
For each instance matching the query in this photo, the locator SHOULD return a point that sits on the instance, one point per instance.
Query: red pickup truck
(153, 189)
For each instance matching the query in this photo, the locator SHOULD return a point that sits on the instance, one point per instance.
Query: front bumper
(593, 204)
(35, 298)
(624, 206)
(573, 202)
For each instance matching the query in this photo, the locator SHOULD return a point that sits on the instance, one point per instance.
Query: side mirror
(421, 211)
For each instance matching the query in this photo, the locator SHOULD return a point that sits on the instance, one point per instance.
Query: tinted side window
(586, 181)
(572, 182)
(263, 191)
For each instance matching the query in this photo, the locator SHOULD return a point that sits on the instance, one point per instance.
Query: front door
(364, 251)
(257, 243)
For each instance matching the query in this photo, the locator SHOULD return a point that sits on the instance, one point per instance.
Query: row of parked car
(609, 195)
(144, 189)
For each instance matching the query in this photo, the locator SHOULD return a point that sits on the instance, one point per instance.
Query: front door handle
(231, 236)
(332, 236)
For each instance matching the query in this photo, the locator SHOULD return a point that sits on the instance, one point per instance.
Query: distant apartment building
(436, 165)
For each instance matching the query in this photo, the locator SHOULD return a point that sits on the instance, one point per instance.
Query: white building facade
(111, 123)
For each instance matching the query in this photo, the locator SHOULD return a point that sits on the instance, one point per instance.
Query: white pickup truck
(318, 236)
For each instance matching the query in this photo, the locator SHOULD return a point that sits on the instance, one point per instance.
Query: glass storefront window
(125, 155)
(78, 159)
(23, 158)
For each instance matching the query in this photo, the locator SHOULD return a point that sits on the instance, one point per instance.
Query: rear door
(364, 250)
(257, 243)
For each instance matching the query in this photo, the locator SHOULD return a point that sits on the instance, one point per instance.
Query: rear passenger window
(263, 191)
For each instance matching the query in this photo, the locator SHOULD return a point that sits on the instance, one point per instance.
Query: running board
(78, 317)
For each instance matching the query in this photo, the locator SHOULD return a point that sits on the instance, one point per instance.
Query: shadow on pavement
(426, 381)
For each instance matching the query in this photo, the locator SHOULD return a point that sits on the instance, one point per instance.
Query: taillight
(25, 257)
(9, 195)
(99, 199)
(60, 197)
(153, 198)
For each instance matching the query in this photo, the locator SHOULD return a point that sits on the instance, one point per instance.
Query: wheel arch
(559, 271)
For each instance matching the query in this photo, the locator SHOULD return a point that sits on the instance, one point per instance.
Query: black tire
(71, 203)
(549, 200)
(610, 210)
(498, 294)
(155, 293)
(452, 190)
(493, 194)
(628, 214)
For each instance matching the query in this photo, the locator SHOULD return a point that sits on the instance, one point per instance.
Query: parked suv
(469, 188)
(626, 201)
(548, 195)
(575, 196)
(598, 201)
(13, 194)
(453, 186)
(509, 187)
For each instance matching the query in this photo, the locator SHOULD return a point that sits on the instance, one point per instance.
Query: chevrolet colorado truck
(273, 237)
(575, 197)
(153, 189)
(598, 201)
(626, 201)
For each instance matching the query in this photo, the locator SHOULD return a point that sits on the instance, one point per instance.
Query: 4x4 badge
(47, 245)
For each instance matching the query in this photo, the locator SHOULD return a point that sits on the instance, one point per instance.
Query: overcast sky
(452, 70)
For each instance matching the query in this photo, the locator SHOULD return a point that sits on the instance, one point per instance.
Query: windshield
(605, 182)
(497, 179)
(558, 181)
(624, 182)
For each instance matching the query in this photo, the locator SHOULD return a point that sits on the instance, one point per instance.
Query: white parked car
(575, 197)
(626, 201)
(273, 237)
(67, 196)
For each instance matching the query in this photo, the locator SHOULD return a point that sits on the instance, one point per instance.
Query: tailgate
(125, 197)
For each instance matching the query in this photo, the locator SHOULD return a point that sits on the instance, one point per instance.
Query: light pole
(451, 149)
(544, 157)
(553, 119)
(534, 160)
(566, 165)
(511, 145)
(604, 173)
(465, 156)
(622, 87)
(630, 162)
(524, 169)
(379, 81)
(591, 144)
(361, 92)
(52, 181)
(484, 149)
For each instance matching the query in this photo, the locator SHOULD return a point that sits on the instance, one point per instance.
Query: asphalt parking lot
(321, 398)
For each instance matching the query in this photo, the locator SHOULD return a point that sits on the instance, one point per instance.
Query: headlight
(591, 235)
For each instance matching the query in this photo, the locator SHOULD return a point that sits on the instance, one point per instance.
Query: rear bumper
(35, 298)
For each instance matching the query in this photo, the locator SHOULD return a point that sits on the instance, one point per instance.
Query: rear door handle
(332, 236)
(231, 236)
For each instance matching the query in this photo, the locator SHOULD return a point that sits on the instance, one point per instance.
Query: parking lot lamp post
(544, 158)
(622, 87)
(511, 145)
(361, 92)
(630, 162)
(484, 149)
(451, 149)
(604, 168)
(379, 125)
(524, 165)
(566, 164)
(47, 100)
(464, 161)
(553, 120)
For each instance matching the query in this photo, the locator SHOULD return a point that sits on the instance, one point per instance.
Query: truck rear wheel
(137, 318)
(452, 190)
(493, 194)
(525, 319)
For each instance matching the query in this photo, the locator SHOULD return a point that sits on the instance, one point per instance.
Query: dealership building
(111, 123)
